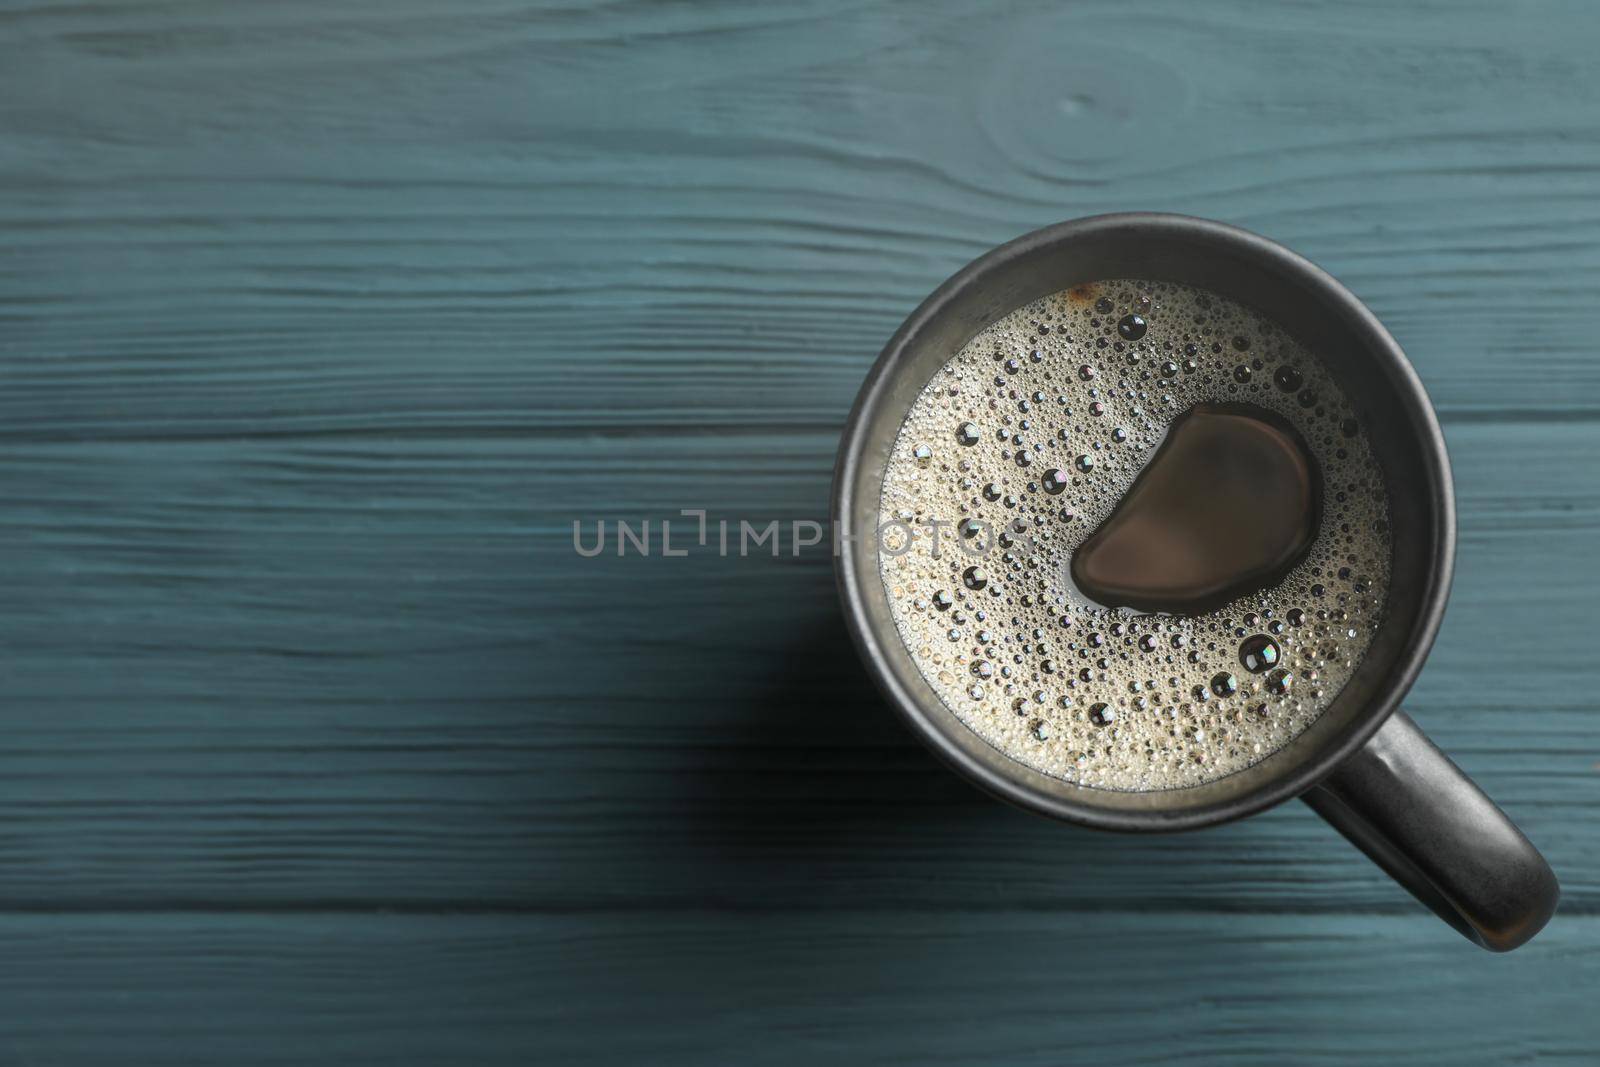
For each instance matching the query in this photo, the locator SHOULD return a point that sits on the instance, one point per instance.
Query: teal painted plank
(374, 671)
(361, 221)
(790, 989)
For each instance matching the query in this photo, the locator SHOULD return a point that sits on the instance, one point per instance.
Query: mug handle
(1411, 810)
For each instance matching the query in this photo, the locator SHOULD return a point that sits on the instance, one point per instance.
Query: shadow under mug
(1362, 765)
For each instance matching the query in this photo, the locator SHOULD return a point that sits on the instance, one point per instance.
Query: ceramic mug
(1363, 765)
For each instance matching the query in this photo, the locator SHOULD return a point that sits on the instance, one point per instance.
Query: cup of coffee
(1147, 524)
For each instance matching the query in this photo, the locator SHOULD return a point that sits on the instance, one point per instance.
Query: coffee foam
(1058, 394)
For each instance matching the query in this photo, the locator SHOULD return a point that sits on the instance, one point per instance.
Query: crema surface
(1023, 444)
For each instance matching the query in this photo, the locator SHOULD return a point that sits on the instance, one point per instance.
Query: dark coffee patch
(1228, 506)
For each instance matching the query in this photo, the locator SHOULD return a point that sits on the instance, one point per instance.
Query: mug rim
(1434, 461)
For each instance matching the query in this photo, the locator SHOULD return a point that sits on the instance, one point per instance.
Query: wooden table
(321, 322)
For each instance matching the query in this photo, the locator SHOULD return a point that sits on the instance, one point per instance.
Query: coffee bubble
(1258, 653)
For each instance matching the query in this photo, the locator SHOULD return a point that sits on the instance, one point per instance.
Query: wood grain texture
(708, 987)
(320, 323)
(342, 690)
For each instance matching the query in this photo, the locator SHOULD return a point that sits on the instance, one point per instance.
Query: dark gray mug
(1363, 765)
